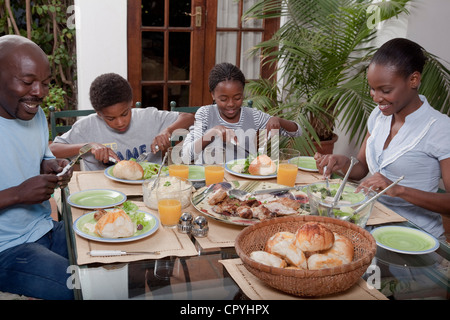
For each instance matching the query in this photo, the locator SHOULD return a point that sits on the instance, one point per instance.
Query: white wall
(428, 24)
(101, 36)
(102, 41)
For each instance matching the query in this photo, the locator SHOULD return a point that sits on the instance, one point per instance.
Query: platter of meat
(221, 205)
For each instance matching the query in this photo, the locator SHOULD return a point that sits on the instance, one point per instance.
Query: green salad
(138, 217)
(151, 169)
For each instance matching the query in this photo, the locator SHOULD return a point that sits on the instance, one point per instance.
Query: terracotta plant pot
(327, 146)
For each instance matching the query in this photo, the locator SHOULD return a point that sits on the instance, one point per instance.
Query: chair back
(173, 107)
(62, 121)
(70, 116)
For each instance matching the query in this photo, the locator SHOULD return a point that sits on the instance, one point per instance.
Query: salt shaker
(185, 223)
(200, 227)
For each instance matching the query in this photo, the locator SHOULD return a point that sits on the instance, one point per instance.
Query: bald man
(33, 249)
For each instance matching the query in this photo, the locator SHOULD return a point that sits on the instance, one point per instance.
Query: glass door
(172, 46)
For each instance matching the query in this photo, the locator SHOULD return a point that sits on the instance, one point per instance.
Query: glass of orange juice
(214, 162)
(177, 168)
(287, 172)
(169, 205)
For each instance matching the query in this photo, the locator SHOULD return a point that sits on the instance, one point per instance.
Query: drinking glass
(176, 166)
(169, 204)
(214, 162)
(287, 172)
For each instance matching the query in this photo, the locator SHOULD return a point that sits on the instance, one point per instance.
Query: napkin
(256, 289)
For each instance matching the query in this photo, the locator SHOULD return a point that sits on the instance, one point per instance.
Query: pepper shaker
(200, 227)
(185, 223)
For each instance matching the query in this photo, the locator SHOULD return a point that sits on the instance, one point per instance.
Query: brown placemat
(84, 180)
(168, 242)
(256, 289)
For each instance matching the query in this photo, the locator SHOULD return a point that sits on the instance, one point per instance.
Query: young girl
(406, 137)
(227, 123)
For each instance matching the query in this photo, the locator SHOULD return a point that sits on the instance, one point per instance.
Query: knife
(297, 188)
(110, 253)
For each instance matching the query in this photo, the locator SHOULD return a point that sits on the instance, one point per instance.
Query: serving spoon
(159, 172)
(353, 161)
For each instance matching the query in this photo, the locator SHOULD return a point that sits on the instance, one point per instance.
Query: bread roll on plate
(283, 245)
(268, 259)
(128, 170)
(313, 236)
(115, 224)
(262, 166)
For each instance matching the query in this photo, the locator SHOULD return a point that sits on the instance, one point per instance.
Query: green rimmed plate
(96, 199)
(80, 228)
(404, 240)
(305, 163)
(196, 173)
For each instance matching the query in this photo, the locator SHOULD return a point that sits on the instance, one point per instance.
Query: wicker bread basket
(307, 283)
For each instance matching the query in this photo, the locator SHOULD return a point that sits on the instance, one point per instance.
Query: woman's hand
(333, 162)
(378, 182)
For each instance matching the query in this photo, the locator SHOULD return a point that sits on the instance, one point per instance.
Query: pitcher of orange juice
(214, 163)
(287, 171)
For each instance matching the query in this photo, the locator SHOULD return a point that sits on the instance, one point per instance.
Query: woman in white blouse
(406, 137)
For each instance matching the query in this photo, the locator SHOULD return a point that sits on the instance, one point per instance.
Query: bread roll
(313, 236)
(340, 253)
(322, 261)
(115, 224)
(128, 170)
(282, 245)
(262, 166)
(342, 247)
(268, 259)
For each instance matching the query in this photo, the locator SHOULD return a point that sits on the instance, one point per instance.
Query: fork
(82, 151)
(142, 157)
(250, 186)
(202, 195)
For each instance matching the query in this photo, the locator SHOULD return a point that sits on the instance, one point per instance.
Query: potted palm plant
(322, 52)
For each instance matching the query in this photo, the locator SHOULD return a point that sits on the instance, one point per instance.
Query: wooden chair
(70, 117)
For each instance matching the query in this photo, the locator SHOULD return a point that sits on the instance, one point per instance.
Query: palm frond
(322, 53)
(435, 84)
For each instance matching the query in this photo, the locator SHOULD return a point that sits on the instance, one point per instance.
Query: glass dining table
(201, 275)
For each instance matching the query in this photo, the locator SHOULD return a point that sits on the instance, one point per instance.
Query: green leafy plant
(45, 22)
(322, 53)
